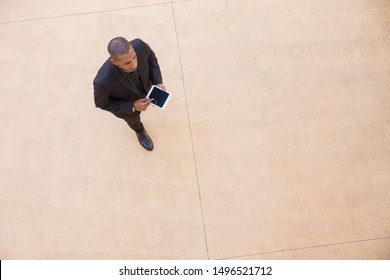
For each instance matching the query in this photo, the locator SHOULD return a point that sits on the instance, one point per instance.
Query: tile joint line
(189, 124)
(91, 13)
(305, 248)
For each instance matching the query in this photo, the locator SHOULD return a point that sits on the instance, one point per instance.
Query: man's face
(127, 61)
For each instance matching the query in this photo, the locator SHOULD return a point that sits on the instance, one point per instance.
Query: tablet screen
(159, 97)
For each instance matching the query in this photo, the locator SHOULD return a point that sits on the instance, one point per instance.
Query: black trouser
(133, 120)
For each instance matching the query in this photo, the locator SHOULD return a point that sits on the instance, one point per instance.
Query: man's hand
(161, 86)
(142, 104)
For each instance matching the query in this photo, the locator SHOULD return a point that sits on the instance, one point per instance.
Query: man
(123, 81)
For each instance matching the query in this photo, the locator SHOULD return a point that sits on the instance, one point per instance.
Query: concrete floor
(276, 144)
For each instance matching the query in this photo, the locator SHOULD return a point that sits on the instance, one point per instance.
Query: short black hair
(118, 46)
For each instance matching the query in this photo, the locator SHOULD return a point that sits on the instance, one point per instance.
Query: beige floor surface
(276, 144)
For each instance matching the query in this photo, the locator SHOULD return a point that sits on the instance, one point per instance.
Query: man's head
(122, 54)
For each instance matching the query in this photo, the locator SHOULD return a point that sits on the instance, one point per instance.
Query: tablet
(160, 97)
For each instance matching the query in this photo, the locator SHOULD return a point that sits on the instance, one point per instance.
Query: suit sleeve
(154, 68)
(103, 100)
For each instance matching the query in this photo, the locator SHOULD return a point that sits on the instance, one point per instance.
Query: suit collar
(119, 75)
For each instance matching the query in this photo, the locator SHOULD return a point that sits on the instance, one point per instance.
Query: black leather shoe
(145, 140)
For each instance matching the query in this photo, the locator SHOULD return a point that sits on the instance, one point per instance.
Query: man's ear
(113, 61)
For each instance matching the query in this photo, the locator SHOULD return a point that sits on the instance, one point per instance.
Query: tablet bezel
(166, 101)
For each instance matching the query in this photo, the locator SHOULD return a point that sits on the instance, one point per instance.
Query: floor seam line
(189, 124)
(308, 247)
(90, 13)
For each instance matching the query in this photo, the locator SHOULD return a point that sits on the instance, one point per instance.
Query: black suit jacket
(114, 92)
